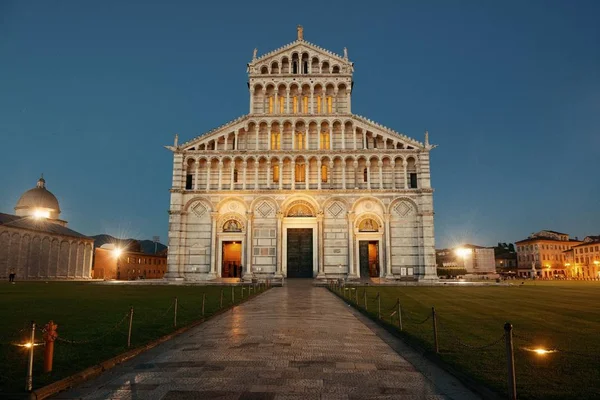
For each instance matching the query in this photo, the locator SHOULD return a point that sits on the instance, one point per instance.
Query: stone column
(196, 173)
(330, 137)
(213, 245)
(388, 247)
(312, 100)
(355, 165)
(220, 174)
(344, 174)
(405, 165)
(293, 174)
(269, 174)
(393, 175)
(319, 166)
(352, 272)
(364, 137)
(369, 175)
(279, 266)
(380, 166)
(348, 99)
(231, 173)
(306, 138)
(280, 174)
(287, 101)
(334, 102)
(256, 140)
(307, 174)
(208, 164)
(330, 174)
(293, 138)
(251, 101)
(354, 138)
(235, 141)
(244, 168)
(225, 142)
(256, 166)
(343, 138)
(320, 247)
(248, 269)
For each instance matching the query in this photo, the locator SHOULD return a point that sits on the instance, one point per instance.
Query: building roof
(38, 225)
(541, 238)
(558, 233)
(38, 197)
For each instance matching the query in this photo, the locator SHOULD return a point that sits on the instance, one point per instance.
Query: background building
(583, 260)
(475, 261)
(36, 244)
(128, 263)
(542, 254)
(300, 186)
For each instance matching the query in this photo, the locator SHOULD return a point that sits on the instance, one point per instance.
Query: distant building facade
(583, 260)
(506, 261)
(128, 264)
(543, 255)
(36, 244)
(476, 261)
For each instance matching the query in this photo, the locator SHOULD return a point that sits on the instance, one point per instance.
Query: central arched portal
(300, 251)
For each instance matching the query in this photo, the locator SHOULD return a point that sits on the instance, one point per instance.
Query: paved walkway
(293, 342)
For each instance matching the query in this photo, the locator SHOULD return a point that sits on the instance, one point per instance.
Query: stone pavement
(293, 342)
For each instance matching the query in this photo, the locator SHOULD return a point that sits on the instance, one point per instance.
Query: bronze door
(363, 255)
(299, 253)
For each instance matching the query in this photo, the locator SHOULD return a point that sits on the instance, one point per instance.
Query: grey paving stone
(294, 342)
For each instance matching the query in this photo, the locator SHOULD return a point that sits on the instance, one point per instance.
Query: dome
(36, 200)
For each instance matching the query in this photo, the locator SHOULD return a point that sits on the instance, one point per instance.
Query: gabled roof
(39, 225)
(298, 43)
(558, 233)
(359, 118)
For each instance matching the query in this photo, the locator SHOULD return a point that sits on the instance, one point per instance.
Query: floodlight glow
(117, 252)
(38, 213)
(463, 252)
(540, 351)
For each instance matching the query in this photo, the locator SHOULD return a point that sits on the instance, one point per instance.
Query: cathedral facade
(300, 186)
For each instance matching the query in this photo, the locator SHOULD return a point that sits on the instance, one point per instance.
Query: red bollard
(50, 336)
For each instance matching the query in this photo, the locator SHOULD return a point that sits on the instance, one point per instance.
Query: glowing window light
(463, 252)
(38, 213)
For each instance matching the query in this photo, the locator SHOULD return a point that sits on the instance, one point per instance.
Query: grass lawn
(86, 311)
(555, 315)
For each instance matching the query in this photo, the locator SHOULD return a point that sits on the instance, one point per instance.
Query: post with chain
(365, 296)
(510, 362)
(130, 325)
(203, 302)
(435, 332)
(29, 379)
(378, 306)
(175, 314)
(399, 314)
(50, 336)
(221, 301)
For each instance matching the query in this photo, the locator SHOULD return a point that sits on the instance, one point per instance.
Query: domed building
(36, 244)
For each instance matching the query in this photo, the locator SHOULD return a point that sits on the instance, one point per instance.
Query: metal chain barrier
(69, 341)
(407, 318)
(467, 345)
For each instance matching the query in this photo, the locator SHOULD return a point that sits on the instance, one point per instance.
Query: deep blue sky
(509, 90)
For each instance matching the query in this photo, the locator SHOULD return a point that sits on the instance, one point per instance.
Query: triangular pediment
(214, 132)
(299, 46)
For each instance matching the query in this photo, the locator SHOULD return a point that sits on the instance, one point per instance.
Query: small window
(365, 175)
(413, 180)
(305, 67)
(300, 173)
(188, 181)
(324, 173)
(295, 67)
(324, 140)
(235, 176)
(275, 173)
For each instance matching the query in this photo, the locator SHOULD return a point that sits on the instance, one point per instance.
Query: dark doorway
(232, 259)
(368, 252)
(299, 253)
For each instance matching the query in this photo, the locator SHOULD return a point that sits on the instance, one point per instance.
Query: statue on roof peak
(300, 31)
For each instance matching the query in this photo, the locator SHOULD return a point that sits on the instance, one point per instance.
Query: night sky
(90, 92)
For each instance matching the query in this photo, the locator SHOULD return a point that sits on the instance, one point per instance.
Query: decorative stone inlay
(199, 210)
(265, 209)
(368, 205)
(403, 208)
(335, 209)
(233, 206)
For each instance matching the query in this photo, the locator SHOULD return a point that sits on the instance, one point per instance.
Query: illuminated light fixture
(463, 252)
(38, 213)
(540, 351)
(28, 345)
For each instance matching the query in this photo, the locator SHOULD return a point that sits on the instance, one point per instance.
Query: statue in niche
(368, 225)
(232, 226)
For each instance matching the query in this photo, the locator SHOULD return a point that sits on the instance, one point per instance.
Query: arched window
(365, 175)
(275, 173)
(305, 104)
(319, 104)
(324, 173)
(305, 67)
(300, 137)
(324, 141)
(281, 104)
(235, 176)
(295, 67)
(300, 175)
(295, 105)
(271, 104)
(275, 141)
(329, 104)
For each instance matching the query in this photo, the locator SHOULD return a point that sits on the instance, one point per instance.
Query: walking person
(11, 276)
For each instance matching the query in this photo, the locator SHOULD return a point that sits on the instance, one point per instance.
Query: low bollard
(399, 315)
(130, 324)
(29, 379)
(203, 302)
(50, 336)
(175, 314)
(435, 332)
(510, 362)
